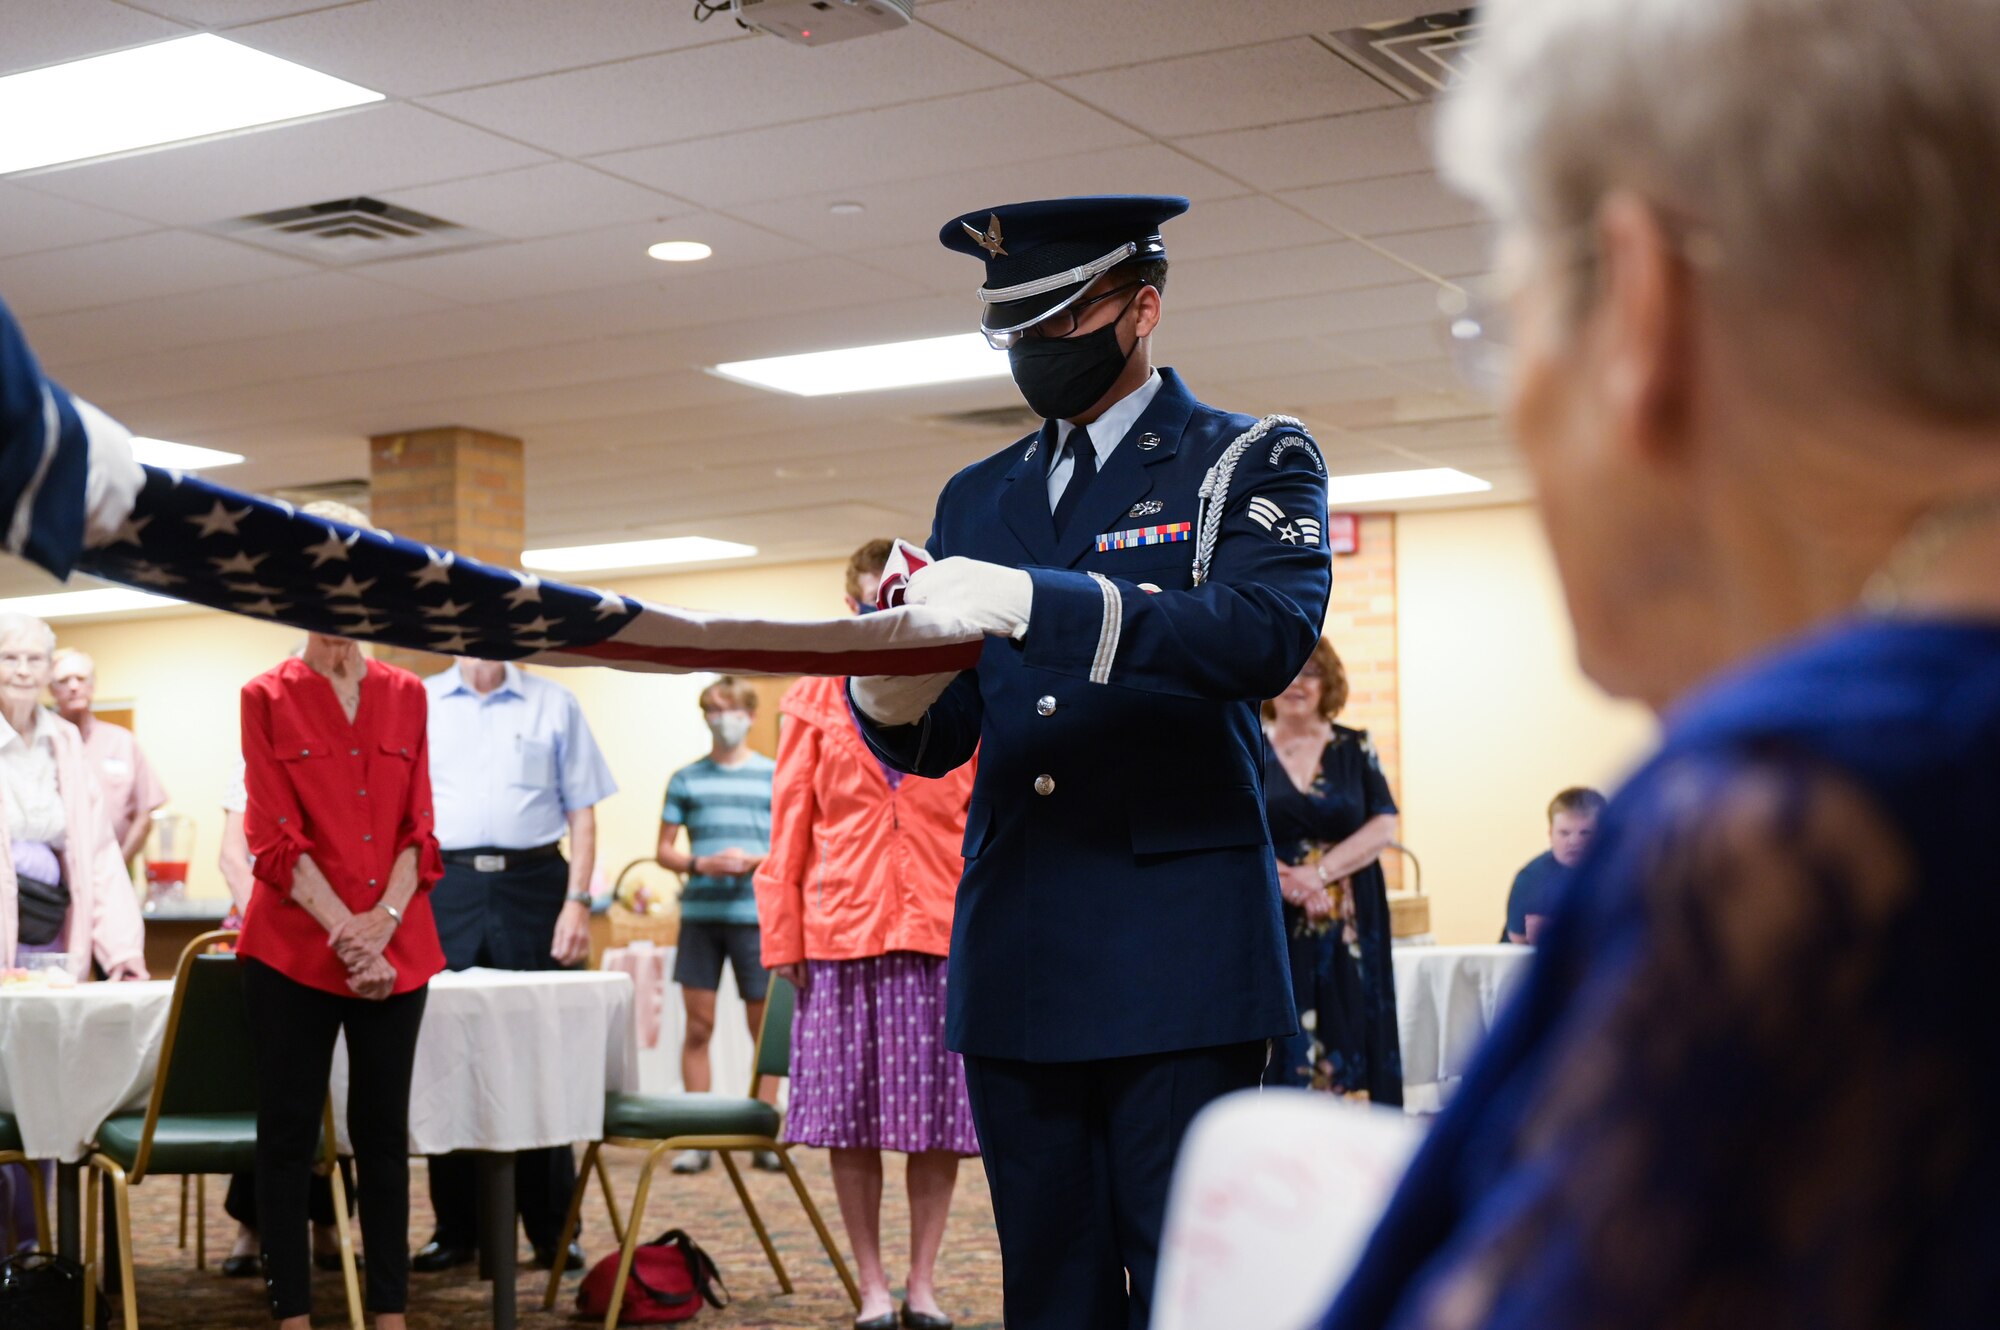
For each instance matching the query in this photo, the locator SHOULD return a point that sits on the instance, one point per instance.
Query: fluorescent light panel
(79, 604)
(863, 369)
(148, 96)
(180, 456)
(635, 554)
(1384, 486)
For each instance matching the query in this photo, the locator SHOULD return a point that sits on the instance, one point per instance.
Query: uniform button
(1045, 785)
(362, 793)
(371, 881)
(354, 752)
(305, 752)
(368, 835)
(1045, 706)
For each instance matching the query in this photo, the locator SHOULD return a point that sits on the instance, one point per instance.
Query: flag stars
(349, 588)
(333, 549)
(153, 576)
(528, 593)
(451, 609)
(266, 608)
(240, 562)
(219, 520)
(129, 530)
(452, 645)
(438, 573)
(610, 605)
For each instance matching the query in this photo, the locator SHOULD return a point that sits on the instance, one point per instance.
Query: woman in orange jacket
(855, 903)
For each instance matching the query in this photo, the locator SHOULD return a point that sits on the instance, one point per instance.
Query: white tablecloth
(1446, 1000)
(505, 1061)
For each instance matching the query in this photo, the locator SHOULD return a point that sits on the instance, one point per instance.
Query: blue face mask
(866, 607)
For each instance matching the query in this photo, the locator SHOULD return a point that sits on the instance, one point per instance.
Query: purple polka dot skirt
(869, 1067)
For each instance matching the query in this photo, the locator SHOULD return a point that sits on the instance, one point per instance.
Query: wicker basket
(1410, 911)
(662, 930)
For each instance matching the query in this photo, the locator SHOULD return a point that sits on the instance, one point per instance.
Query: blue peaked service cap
(1041, 256)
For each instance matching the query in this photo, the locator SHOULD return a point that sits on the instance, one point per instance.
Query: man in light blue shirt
(513, 769)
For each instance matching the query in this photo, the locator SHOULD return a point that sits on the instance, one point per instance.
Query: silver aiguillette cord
(1928, 540)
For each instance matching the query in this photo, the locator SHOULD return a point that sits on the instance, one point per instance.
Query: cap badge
(990, 239)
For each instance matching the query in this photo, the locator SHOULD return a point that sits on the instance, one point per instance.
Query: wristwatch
(393, 913)
(578, 898)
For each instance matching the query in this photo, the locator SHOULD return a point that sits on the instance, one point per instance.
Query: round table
(1447, 999)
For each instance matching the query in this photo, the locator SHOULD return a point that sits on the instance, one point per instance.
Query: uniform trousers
(1078, 1156)
(292, 1028)
(504, 921)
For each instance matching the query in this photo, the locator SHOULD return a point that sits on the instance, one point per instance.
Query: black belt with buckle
(488, 859)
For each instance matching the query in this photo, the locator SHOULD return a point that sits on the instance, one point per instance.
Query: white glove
(898, 699)
(114, 480)
(992, 598)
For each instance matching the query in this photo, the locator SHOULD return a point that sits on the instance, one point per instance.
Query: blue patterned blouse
(1754, 1079)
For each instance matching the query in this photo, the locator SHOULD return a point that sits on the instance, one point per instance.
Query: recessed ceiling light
(81, 604)
(861, 369)
(629, 554)
(1383, 486)
(679, 251)
(180, 456)
(148, 96)
(846, 208)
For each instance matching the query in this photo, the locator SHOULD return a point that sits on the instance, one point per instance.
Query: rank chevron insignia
(1265, 513)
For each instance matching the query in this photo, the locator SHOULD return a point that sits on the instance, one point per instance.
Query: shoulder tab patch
(1293, 443)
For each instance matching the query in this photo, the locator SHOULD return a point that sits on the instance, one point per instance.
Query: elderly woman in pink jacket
(63, 882)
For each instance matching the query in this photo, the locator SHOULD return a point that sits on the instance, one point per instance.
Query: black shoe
(924, 1320)
(886, 1321)
(330, 1260)
(766, 1161)
(239, 1267)
(434, 1256)
(544, 1258)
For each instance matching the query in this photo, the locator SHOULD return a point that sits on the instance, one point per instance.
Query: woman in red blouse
(338, 935)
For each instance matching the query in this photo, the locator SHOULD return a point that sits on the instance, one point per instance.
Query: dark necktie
(1078, 446)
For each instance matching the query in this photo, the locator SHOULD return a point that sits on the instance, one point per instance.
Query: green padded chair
(201, 1119)
(663, 1124)
(11, 1153)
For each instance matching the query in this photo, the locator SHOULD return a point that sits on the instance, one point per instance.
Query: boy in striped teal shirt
(724, 802)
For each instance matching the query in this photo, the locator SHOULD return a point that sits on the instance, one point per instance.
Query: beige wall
(182, 673)
(1496, 716)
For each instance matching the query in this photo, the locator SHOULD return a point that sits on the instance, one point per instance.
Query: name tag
(1142, 536)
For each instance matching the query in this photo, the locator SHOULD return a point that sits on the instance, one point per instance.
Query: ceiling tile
(1387, 205)
(52, 34)
(993, 127)
(614, 256)
(1451, 252)
(1390, 346)
(716, 89)
(1318, 152)
(410, 47)
(1050, 37)
(1339, 266)
(31, 221)
(366, 151)
(1245, 225)
(911, 211)
(550, 199)
(1312, 315)
(1294, 79)
(113, 271)
(228, 13)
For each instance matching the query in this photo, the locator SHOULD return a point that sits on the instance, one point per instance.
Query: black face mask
(1062, 377)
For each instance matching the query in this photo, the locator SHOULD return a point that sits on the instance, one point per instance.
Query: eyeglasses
(1063, 323)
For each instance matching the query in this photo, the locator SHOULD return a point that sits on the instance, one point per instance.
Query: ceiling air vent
(1415, 58)
(351, 231)
(1013, 421)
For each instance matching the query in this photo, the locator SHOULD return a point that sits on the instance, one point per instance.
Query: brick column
(452, 487)
(1361, 623)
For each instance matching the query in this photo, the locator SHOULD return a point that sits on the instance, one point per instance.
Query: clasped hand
(359, 941)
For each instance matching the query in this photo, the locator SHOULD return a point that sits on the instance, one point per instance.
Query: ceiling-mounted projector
(817, 22)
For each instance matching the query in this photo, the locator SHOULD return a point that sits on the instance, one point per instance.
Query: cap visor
(1014, 315)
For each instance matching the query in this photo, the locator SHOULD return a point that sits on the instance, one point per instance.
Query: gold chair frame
(657, 1150)
(40, 1192)
(123, 1181)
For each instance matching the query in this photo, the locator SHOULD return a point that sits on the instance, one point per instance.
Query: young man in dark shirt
(1572, 824)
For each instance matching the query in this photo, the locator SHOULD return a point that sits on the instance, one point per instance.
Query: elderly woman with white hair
(1749, 263)
(63, 884)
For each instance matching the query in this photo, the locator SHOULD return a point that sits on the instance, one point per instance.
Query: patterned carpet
(173, 1295)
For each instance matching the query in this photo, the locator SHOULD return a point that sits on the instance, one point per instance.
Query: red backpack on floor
(670, 1279)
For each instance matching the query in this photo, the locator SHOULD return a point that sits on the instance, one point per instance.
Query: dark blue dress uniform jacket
(1120, 895)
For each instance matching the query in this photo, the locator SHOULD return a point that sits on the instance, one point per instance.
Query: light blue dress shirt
(1106, 433)
(508, 768)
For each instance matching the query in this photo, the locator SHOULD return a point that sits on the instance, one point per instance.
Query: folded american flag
(260, 557)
